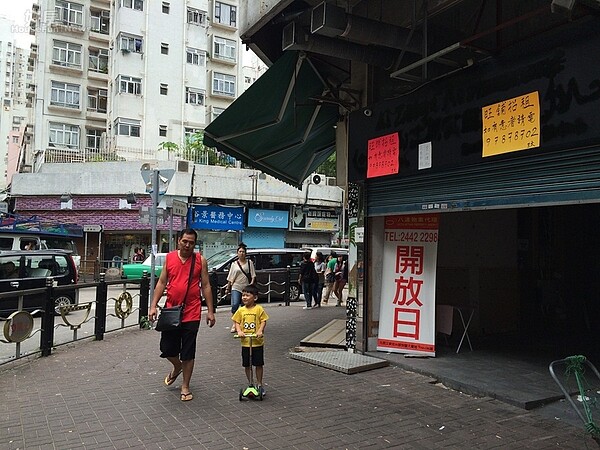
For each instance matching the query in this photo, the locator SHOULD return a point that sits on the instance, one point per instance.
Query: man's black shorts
(180, 343)
(258, 356)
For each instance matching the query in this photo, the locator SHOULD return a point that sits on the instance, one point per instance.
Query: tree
(329, 166)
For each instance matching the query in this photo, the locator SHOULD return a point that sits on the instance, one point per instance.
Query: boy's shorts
(180, 343)
(258, 356)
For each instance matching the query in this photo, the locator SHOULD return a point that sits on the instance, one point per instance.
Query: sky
(20, 12)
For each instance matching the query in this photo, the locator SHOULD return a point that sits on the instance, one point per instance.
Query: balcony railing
(209, 157)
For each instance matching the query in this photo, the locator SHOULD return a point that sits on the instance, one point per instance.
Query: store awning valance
(279, 125)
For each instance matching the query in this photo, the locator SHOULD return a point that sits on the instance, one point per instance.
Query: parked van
(29, 241)
(270, 265)
(19, 241)
(29, 269)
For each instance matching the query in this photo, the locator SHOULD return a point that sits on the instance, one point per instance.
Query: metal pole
(153, 220)
(171, 244)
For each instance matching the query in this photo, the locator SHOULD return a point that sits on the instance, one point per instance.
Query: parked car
(269, 263)
(29, 269)
(136, 270)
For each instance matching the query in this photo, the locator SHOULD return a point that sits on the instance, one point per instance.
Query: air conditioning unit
(317, 178)
(183, 166)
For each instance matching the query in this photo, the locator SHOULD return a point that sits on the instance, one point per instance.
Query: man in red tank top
(179, 346)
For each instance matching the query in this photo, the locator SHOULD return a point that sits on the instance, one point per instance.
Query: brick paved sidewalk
(110, 394)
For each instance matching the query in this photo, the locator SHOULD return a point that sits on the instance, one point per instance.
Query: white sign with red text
(407, 311)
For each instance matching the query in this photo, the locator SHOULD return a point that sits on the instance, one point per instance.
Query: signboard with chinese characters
(511, 125)
(268, 218)
(215, 217)
(312, 219)
(383, 155)
(407, 311)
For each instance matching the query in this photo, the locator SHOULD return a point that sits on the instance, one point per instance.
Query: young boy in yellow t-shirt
(251, 319)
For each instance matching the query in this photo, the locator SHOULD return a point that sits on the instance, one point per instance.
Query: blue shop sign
(212, 217)
(268, 218)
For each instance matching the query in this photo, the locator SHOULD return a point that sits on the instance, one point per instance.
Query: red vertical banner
(407, 309)
(383, 155)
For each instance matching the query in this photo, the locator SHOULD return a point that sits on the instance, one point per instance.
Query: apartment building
(115, 80)
(14, 76)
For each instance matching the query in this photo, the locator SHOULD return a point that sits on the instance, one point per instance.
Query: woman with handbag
(241, 274)
(183, 275)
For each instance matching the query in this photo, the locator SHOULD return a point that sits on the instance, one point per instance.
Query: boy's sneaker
(262, 391)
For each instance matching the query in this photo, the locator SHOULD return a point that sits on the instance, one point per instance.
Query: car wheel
(294, 293)
(62, 300)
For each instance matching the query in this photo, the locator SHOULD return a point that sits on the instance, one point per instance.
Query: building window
(216, 112)
(127, 127)
(100, 20)
(225, 14)
(133, 4)
(195, 56)
(223, 84)
(166, 7)
(164, 88)
(64, 135)
(97, 100)
(64, 94)
(66, 54)
(190, 134)
(68, 13)
(98, 60)
(130, 43)
(162, 130)
(164, 48)
(130, 85)
(15, 139)
(93, 139)
(195, 16)
(225, 49)
(194, 96)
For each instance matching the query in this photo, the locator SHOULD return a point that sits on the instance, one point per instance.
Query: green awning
(279, 125)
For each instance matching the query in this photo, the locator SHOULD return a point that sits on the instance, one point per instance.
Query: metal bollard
(47, 336)
(287, 287)
(144, 297)
(101, 300)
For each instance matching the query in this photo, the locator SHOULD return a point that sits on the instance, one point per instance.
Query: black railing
(105, 309)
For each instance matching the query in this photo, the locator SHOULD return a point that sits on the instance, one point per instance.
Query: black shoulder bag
(171, 318)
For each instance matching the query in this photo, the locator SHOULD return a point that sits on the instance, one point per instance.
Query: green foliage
(145, 324)
(329, 166)
(195, 150)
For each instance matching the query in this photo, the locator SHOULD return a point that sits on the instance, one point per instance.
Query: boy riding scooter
(250, 321)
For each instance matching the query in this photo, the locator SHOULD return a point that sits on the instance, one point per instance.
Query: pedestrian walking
(320, 269)
(307, 279)
(183, 275)
(341, 278)
(241, 273)
(330, 276)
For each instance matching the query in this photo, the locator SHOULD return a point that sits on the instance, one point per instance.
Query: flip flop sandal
(186, 397)
(169, 380)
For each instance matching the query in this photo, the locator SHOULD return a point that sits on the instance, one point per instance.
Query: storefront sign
(268, 218)
(314, 219)
(383, 156)
(213, 217)
(179, 208)
(407, 311)
(511, 125)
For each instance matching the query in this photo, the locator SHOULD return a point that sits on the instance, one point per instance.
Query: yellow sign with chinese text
(511, 125)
